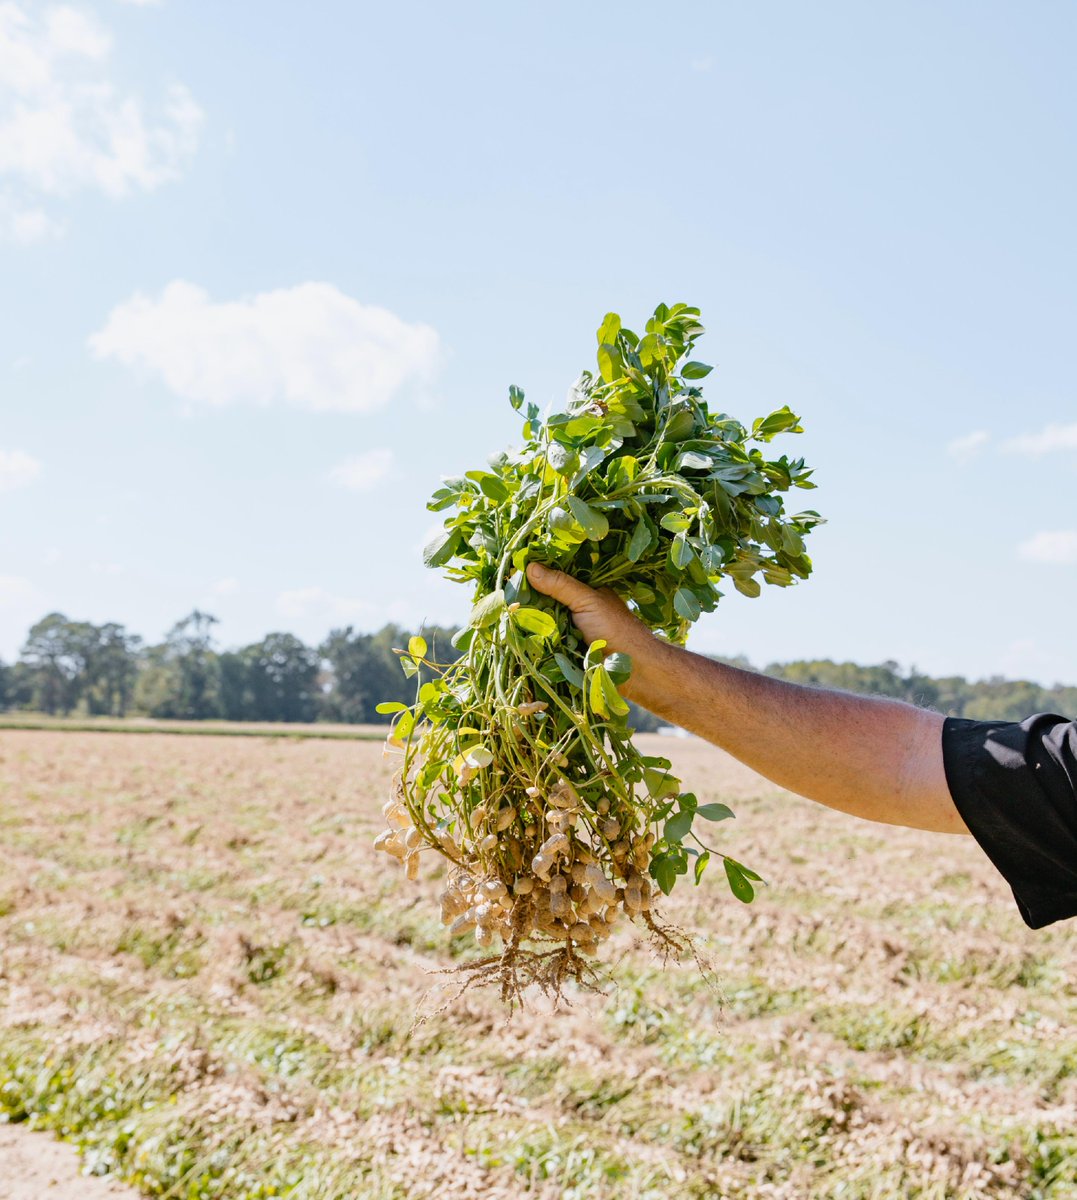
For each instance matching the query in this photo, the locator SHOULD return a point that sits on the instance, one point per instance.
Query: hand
(603, 615)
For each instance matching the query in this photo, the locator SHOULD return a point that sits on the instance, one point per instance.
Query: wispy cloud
(17, 469)
(968, 445)
(362, 472)
(66, 126)
(1056, 547)
(309, 346)
(1049, 439)
(225, 587)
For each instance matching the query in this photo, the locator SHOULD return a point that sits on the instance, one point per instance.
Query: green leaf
(596, 695)
(516, 397)
(715, 812)
(692, 460)
(615, 702)
(478, 756)
(441, 547)
(417, 647)
(701, 865)
(695, 370)
(663, 871)
(390, 706)
(590, 457)
(461, 639)
(678, 826)
(535, 621)
(494, 488)
(594, 652)
(686, 604)
(660, 784)
(619, 666)
(640, 541)
(609, 329)
(593, 523)
(562, 459)
(739, 884)
(565, 527)
(570, 671)
(609, 363)
(681, 552)
(781, 421)
(676, 522)
(488, 609)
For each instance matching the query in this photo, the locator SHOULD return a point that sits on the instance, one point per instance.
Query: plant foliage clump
(518, 764)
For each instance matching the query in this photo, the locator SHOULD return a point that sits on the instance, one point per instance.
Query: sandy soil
(35, 1166)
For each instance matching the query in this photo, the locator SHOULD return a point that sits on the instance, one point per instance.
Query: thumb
(560, 587)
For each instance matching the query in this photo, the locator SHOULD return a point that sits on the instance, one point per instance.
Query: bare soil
(35, 1166)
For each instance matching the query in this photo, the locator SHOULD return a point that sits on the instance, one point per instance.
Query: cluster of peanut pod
(533, 869)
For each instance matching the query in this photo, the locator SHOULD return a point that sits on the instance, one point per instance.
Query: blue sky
(267, 271)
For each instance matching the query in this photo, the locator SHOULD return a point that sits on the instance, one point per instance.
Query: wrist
(653, 666)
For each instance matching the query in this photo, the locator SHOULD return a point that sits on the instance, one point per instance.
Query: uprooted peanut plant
(518, 764)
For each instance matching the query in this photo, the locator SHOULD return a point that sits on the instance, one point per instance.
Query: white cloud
(27, 225)
(225, 587)
(1057, 547)
(1049, 439)
(362, 472)
(308, 346)
(142, 3)
(17, 468)
(968, 446)
(66, 127)
(70, 32)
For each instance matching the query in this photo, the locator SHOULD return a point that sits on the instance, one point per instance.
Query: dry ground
(208, 982)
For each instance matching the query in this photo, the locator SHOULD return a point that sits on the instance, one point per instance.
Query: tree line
(68, 667)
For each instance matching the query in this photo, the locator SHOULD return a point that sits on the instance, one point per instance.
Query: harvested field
(208, 980)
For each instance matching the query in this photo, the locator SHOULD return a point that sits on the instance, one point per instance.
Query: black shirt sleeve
(1015, 786)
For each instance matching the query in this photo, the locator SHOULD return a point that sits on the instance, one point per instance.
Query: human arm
(874, 758)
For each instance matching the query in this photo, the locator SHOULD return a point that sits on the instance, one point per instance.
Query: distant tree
(181, 677)
(234, 692)
(55, 656)
(20, 687)
(999, 699)
(351, 675)
(7, 686)
(111, 667)
(361, 670)
(1063, 700)
(282, 678)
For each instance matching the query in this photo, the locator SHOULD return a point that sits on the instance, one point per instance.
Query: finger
(560, 586)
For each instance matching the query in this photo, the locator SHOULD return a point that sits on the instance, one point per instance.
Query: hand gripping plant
(517, 760)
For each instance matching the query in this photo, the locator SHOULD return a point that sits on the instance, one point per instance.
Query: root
(551, 970)
(672, 943)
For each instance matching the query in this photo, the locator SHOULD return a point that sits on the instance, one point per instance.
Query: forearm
(875, 758)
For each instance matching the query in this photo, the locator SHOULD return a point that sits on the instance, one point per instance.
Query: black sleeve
(1015, 786)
